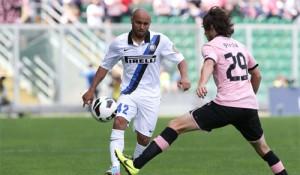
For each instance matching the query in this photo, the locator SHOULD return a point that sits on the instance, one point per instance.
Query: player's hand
(201, 91)
(184, 84)
(87, 98)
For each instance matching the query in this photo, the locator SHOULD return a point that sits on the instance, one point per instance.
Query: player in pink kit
(230, 63)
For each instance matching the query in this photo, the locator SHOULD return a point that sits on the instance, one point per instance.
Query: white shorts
(142, 110)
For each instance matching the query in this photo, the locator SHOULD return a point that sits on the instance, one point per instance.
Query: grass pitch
(79, 146)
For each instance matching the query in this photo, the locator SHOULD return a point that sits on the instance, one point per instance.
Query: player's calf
(275, 163)
(159, 144)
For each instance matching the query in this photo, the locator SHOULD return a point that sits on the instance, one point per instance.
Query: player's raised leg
(119, 126)
(250, 127)
(177, 126)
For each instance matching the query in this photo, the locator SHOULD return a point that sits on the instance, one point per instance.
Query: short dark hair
(220, 20)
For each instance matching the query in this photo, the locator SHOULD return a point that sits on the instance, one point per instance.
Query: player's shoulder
(213, 43)
(163, 37)
(208, 45)
(152, 33)
(238, 43)
(119, 40)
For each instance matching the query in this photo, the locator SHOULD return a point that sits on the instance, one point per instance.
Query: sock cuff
(117, 134)
(138, 150)
(169, 135)
(139, 146)
(161, 143)
(271, 158)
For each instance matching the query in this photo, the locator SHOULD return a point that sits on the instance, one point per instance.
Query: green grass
(79, 146)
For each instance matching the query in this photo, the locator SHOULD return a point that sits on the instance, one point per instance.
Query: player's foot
(126, 163)
(114, 170)
(128, 156)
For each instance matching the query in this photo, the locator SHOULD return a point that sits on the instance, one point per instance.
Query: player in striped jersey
(141, 52)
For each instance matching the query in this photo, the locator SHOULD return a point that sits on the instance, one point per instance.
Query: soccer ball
(104, 109)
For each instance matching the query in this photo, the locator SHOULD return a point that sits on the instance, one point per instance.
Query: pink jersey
(231, 76)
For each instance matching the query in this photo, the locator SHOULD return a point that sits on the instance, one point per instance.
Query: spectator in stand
(115, 10)
(207, 4)
(251, 9)
(30, 11)
(140, 3)
(178, 7)
(233, 7)
(290, 9)
(280, 81)
(95, 13)
(195, 11)
(270, 8)
(10, 11)
(71, 13)
(162, 7)
(3, 93)
(170, 8)
(26, 12)
(127, 4)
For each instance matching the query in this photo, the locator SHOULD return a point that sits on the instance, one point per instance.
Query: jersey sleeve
(169, 51)
(112, 56)
(209, 52)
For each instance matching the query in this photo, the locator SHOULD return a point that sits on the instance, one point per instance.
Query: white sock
(138, 150)
(116, 142)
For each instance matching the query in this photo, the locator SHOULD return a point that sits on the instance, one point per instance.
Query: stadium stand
(270, 39)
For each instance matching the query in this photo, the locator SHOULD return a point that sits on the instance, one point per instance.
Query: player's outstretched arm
(206, 71)
(184, 82)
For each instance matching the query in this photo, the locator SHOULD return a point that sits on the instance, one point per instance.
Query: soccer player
(141, 52)
(229, 62)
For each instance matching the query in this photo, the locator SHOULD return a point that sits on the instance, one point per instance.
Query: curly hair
(220, 20)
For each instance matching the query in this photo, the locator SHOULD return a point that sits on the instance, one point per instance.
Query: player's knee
(261, 146)
(120, 123)
(176, 125)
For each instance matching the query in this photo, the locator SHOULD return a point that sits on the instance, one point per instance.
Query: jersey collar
(146, 40)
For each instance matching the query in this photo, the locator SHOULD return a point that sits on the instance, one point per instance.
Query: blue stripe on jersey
(141, 68)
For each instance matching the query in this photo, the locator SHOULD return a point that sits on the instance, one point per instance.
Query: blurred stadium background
(46, 45)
